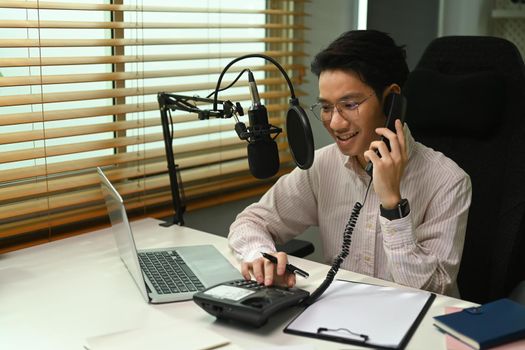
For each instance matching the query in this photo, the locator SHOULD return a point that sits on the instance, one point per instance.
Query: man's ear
(392, 88)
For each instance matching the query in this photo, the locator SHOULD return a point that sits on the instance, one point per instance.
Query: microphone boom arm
(182, 103)
(168, 102)
(171, 102)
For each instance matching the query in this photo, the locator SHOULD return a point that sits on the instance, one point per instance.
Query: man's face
(354, 131)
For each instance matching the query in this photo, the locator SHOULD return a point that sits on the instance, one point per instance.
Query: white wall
(464, 17)
(327, 20)
(412, 23)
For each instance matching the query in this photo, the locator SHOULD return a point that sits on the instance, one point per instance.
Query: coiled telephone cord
(345, 249)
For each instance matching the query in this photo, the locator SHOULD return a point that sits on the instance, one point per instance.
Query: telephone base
(247, 301)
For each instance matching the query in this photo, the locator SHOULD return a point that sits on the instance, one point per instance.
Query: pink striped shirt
(422, 250)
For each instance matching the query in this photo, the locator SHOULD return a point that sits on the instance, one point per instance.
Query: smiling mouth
(347, 137)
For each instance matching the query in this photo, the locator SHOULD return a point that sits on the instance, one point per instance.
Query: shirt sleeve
(284, 211)
(428, 256)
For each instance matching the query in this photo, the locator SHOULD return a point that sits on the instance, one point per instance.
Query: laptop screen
(122, 231)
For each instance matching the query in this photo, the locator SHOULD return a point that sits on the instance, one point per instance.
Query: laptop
(166, 274)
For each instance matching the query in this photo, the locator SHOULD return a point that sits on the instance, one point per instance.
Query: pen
(289, 267)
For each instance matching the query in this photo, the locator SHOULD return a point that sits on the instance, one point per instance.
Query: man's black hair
(372, 54)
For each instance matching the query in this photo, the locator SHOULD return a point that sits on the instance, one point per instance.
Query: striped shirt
(422, 250)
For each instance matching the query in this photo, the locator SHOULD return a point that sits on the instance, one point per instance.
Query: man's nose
(337, 119)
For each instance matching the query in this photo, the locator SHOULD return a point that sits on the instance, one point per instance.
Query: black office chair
(297, 247)
(466, 99)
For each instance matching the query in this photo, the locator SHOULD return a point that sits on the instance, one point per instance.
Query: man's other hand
(267, 273)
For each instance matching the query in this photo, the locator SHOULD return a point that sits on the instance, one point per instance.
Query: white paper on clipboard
(384, 314)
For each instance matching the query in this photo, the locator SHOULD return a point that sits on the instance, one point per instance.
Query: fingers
(290, 280)
(245, 270)
(371, 155)
(400, 133)
(258, 270)
(392, 140)
(380, 146)
(396, 140)
(262, 270)
(267, 273)
(282, 260)
(383, 159)
(270, 268)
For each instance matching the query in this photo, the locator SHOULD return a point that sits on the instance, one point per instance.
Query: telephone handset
(394, 108)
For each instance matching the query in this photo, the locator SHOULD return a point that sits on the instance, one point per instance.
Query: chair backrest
(466, 99)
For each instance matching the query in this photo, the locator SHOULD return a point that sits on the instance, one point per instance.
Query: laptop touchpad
(210, 266)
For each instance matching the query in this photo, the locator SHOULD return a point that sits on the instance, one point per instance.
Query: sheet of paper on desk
(164, 337)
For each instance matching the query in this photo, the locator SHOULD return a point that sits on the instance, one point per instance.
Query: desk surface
(56, 295)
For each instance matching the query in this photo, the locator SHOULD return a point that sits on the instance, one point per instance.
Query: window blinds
(78, 86)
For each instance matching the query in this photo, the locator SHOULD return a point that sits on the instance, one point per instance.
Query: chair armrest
(296, 247)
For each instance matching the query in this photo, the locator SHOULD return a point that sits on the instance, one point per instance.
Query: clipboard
(363, 314)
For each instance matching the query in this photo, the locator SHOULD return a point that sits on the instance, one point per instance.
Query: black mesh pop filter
(300, 136)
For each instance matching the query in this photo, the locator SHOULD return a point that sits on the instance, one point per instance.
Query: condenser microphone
(263, 155)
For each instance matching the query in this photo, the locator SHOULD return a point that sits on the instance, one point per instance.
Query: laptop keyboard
(169, 273)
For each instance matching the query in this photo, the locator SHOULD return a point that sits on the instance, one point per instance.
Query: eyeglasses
(346, 108)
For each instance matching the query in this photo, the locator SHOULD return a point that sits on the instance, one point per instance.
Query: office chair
(466, 99)
(297, 247)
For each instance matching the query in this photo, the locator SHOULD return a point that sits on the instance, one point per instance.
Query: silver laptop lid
(122, 231)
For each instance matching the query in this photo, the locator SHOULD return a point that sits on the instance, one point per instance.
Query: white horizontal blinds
(27, 193)
(78, 90)
(290, 25)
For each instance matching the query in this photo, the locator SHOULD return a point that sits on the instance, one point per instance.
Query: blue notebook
(488, 325)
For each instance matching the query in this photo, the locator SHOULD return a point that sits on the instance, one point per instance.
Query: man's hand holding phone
(267, 273)
(390, 165)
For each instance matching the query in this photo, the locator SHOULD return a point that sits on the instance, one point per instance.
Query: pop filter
(300, 136)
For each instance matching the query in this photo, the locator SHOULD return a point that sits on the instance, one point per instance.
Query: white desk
(56, 295)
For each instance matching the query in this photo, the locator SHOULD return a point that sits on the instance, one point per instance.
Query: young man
(411, 228)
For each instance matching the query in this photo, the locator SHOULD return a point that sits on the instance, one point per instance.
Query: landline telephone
(252, 303)
(247, 301)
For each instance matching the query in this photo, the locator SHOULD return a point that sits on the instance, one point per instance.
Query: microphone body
(263, 154)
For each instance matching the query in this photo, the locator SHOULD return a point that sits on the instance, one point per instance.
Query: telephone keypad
(248, 284)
